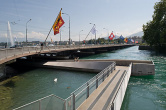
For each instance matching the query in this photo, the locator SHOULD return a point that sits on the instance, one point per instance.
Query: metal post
(103, 76)
(79, 37)
(73, 101)
(60, 38)
(26, 31)
(94, 26)
(87, 90)
(69, 26)
(39, 105)
(108, 73)
(112, 106)
(95, 34)
(96, 82)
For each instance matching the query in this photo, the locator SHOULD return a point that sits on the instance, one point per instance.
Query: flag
(111, 36)
(129, 39)
(126, 40)
(58, 23)
(93, 30)
(132, 40)
(15, 39)
(136, 41)
(121, 37)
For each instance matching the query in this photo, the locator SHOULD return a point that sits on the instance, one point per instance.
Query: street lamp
(108, 33)
(26, 30)
(69, 26)
(95, 31)
(60, 34)
(79, 36)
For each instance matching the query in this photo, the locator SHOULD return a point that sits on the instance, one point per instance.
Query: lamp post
(69, 26)
(95, 31)
(26, 30)
(108, 33)
(79, 36)
(60, 34)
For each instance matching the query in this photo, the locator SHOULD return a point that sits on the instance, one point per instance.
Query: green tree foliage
(155, 30)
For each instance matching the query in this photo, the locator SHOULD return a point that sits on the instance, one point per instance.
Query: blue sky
(123, 17)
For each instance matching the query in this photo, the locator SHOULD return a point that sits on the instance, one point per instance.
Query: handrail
(92, 80)
(111, 103)
(104, 73)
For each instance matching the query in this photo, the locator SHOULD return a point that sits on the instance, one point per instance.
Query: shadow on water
(9, 84)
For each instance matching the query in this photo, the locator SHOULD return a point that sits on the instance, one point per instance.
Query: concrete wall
(139, 69)
(79, 66)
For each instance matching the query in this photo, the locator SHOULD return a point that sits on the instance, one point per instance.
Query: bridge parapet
(13, 53)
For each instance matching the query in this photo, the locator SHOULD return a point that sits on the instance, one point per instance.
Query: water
(39, 83)
(9, 34)
(145, 92)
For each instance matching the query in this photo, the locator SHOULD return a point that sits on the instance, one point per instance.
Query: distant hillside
(140, 34)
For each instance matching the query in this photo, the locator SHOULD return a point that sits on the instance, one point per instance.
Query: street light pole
(79, 36)
(69, 26)
(95, 31)
(60, 34)
(108, 33)
(26, 30)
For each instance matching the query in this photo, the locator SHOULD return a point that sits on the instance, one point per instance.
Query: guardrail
(75, 99)
(83, 92)
(11, 52)
(47, 103)
(116, 103)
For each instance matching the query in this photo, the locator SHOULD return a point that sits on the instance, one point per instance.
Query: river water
(143, 92)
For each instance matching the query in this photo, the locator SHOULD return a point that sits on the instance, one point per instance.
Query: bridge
(104, 91)
(13, 53)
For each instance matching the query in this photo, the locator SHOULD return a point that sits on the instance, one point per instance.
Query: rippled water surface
(145, 92)
(39, 83)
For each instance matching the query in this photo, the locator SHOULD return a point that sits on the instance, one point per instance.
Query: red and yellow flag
(58, 23)
(126, 40)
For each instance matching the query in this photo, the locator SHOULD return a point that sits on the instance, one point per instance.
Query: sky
(123, 17)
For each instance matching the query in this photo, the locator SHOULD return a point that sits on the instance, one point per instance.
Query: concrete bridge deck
(105, 93)
(13, 53)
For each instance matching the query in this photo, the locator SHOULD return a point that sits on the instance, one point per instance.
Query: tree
(155, 30)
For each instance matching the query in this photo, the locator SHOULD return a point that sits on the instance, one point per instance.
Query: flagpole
(51, 27)
(89, 32)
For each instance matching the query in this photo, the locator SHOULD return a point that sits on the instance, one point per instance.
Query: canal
(143, 93)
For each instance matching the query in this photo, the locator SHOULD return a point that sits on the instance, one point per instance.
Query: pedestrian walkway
(104, 94)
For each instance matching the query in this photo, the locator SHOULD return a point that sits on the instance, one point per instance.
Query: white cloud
(3, 35)
(19, 35)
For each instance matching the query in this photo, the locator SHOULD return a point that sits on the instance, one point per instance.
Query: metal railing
(47, 103)
(75, 99)
(83, 92)
(118, 98)
(10, 52)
